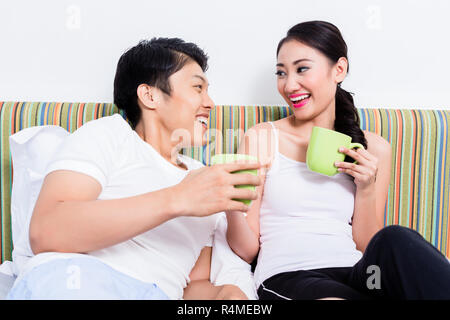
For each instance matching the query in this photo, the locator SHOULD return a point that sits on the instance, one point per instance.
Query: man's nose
(207, 102)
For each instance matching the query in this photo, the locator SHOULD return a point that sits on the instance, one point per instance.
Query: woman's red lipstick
(300, 103)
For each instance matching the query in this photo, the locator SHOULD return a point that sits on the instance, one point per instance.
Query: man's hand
(209, 190)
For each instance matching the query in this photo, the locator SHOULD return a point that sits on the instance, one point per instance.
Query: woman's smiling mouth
(299, 100)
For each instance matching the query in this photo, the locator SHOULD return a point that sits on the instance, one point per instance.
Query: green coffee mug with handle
(232, 157)
(323, 150)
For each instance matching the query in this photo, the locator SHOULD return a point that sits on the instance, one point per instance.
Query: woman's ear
(147, 96)
(340, 69)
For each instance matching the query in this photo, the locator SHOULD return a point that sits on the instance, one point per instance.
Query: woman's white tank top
(304, 219)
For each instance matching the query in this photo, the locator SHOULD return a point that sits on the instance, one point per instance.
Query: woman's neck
(304, 127)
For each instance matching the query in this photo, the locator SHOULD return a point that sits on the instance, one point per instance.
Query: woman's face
(307, 80)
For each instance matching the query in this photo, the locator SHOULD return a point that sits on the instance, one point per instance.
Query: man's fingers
(241, 165)
(245, 178)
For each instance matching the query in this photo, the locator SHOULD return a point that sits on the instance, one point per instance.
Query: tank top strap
(275, 160)
(275, 135)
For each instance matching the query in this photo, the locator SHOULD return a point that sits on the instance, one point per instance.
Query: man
(120, 206)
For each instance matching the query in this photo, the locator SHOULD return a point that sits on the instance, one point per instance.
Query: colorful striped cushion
(419, 188)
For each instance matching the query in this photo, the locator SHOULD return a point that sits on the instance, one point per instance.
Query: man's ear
(340, 69)
(147, 96)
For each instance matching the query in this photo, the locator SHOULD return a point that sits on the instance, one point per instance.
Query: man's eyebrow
(295, 62)
(200, 77)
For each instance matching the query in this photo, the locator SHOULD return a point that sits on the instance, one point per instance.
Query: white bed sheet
(7, 278)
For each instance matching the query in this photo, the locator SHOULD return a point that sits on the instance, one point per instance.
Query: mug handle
(355, 145)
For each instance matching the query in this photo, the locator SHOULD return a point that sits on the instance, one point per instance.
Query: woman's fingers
(235, 205)
(349, 166)
(366, 154)
(364, 171)
(358, 155)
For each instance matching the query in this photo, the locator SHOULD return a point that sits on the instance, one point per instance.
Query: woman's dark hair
(326, 38)
(151, 62)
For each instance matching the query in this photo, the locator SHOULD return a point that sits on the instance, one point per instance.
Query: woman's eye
(302, 69)
(279, 73)
(199, 86)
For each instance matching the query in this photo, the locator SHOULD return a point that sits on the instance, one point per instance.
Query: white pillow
(31, 150)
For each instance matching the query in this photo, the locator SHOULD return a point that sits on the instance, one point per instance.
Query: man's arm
(68, 217)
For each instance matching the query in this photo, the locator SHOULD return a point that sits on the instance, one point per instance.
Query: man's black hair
(151, 62)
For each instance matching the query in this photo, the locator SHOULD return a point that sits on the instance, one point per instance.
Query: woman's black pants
(398, 263)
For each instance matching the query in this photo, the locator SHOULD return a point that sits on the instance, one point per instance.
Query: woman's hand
(364, 172)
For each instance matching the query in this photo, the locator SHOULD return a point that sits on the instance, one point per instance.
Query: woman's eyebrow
(295, 62)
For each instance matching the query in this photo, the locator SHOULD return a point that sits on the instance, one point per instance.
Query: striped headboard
(419, 190)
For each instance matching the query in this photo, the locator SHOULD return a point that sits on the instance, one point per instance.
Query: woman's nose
(292, 84)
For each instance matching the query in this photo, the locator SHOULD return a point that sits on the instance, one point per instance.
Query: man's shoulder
(114, 122)
(113, 127)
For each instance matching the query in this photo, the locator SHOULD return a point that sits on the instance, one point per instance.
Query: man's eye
(199, 86)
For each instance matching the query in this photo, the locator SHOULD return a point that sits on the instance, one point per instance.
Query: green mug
(323, 150)
(232, 157)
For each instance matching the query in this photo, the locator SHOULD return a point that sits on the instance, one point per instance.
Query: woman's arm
(243, 231)
(372, 177)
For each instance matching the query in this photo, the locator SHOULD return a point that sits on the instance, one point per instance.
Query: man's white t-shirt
(111, 152)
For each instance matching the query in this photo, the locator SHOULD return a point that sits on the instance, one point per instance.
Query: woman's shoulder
(376, 144)
(258, 134)
(268, 125)
(259, 141)
(260, 126)
(375, 138)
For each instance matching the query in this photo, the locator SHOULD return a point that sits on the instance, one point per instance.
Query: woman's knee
(394, 234)
(397, 239)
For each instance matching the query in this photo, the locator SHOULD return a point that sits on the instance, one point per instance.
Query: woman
(121, 214)
(318, 236)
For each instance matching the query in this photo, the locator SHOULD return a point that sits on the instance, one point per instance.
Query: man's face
(186, 111)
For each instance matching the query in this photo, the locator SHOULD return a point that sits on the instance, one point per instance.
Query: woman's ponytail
(347, 119)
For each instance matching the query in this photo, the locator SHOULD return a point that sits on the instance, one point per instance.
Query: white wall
(67, 50)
